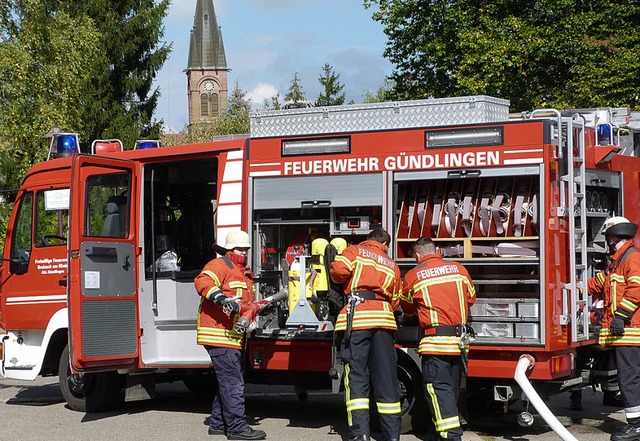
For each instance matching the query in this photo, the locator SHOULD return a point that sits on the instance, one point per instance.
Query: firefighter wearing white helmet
(619, 287)
(237, 239)
(222, 284)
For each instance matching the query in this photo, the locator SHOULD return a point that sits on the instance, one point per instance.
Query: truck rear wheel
(88, 392)
(415, 413)
(413, 403)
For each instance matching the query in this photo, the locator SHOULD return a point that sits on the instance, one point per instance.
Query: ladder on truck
(569, 134)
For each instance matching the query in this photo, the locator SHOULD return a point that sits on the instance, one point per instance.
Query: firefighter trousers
(628, 361)
(227, 410)
(441, 375)
(370, 359)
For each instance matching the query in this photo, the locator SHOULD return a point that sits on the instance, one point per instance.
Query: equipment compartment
(489, 221)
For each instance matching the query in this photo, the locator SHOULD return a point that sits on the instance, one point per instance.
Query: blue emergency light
(63, 145)
(604, 134)
(144, 144)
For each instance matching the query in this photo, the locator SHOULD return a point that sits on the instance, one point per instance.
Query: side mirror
(19, 263)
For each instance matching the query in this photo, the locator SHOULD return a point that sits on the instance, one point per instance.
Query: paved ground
(34, 411)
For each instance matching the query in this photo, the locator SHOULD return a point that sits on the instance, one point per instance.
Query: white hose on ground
(526, 361)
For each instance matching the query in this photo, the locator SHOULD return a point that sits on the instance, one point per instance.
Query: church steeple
(207, 66)
(206, 49)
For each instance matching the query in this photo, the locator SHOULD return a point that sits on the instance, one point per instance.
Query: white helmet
(237, 239)
(619, 226)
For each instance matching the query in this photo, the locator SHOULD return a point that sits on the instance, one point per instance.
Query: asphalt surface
(35, 411)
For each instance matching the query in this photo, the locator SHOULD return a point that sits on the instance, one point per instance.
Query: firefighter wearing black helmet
(619, 287)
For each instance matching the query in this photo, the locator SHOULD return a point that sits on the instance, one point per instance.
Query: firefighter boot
(631, 431)
(248, 433)
(360, 438)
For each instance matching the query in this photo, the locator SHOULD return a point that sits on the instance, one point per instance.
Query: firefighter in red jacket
(440, 293)
(619, 287)
(222, 283)
(372, 282)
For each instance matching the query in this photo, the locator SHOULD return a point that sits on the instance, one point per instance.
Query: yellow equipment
(318, 247)
(294, 283)
(339, 244)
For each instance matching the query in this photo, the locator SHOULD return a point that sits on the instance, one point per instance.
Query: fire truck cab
(99, 262)
(96, 284)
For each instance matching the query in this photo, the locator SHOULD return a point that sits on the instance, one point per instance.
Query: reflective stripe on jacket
(215, 328)
(440, 293)
(367, 267)
(620, 288)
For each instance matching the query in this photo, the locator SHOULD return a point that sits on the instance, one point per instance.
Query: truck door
(103, 302)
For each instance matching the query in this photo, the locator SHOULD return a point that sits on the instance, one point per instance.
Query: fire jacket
(367, 267)
(440, 293)
(619, 287)
(215, 328)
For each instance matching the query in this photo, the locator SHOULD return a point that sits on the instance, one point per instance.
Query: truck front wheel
(88, 392)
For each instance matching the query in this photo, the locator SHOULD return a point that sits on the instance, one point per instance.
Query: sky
(268, 41)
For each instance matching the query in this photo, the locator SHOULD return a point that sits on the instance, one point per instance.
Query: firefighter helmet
(237, 239)
(620, 226)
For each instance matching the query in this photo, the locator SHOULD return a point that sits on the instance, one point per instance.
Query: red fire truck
(102, 249)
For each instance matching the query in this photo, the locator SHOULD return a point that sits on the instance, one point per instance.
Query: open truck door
(103, 302)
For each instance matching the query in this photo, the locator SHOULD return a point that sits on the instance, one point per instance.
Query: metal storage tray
(379, 116)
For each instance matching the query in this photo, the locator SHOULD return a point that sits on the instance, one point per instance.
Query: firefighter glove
(617, 326)
(230, 306)
(624, 314)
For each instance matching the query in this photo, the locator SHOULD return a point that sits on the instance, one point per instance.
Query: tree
(119, 101)
(83, 66)
(384, 93)
(43, 75)
(537, 54)
(234, 120)
(295, 98)
(272, 103)
(86, 67)
(331, 96)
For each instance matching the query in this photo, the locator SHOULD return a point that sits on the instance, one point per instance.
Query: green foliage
(561, 53)
(234, 120)
(275, 101)
(295, 97)
(273, 104)
(384, 93)
(332, 94)
(83, 66)
(43, 59)
(119, 100)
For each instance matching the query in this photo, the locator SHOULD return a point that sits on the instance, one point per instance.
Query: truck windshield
(52, 217)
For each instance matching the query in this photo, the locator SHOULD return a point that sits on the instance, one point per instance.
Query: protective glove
(617, 326)
(230, 306)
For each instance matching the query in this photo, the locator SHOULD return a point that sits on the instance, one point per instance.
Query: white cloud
(261, 92)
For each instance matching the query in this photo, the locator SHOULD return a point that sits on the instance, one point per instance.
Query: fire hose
(249, 311)
(525, 363)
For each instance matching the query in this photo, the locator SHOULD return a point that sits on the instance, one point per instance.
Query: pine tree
(295, 98)
(119, 100)
(332, 95)
(235, 118)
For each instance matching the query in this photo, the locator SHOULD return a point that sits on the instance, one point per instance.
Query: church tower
(207, 87)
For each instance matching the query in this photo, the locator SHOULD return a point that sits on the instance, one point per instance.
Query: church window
(215, 108)
(204, 105)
